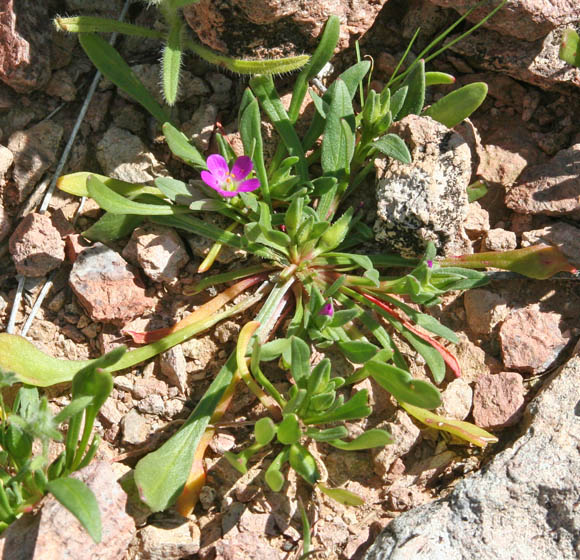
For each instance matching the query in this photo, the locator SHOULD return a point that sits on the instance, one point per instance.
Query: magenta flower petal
(210, 180)
(327, 309)
(249, 185)
(227, 194)
(217, 166)
(242, 168)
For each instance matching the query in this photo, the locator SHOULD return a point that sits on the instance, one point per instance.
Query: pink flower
(229, 183)
(327, 309)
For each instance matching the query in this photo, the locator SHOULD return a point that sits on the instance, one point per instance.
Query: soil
(239, 513)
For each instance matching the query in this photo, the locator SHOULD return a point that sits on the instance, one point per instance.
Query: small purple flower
(430, 264)
(327, 309)
(229, 183)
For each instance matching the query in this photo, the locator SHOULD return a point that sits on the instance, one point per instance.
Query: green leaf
(356, 408)
(570, 47)
(274, 478)
(289, 430)
(76, 184)
(304, 463)
(77, 497)
(88, 24)
(112, 202)
(174, 190)
(393, 146)
(358, 351)
(327, 435)
(457, 105)
(181, 148)
(171, 62)
(402, 386)
(111, 64)
(367, 440)
(343, 317)
(113, 226)
(75, 407)
(264, 431)
(263, 87)
(323, 53)
(250, 126)
(161, 475)
(300, 361)
(335, 151)
(415, 98)
(342, 496)
(476, 190)
(438, 78)
(464, 430)
(397, 100)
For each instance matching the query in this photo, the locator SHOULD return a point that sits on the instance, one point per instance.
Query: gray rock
(427, 199)
(536, 63)
(135, 428)
(5, 222)
(560, 234)
(174, 367)
(159, 251)
(123, 156)
(172, 539)
(55, 533)
(107, 287)
(551, 188)
(524, 504)
(6, 160)
(498, 239)
(525, 19)
(35, 150)
(36, 246)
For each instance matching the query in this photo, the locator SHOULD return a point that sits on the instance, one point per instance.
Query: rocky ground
(514, 333)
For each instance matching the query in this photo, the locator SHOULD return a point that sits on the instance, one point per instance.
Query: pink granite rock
(552, 188)
(498, 400)
(107, 286)
(36, 246)
(277, 26)
(531, 339)
(55, 533)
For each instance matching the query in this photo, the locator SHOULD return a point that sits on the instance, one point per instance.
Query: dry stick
(48, 196)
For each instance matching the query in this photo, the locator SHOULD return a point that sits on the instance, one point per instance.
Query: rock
(24, 44)
(36, 246)
(477, 221)
(5, 222)
(531, 339)
(405, 436)
(522, 505)
(6, 160)
(123, 156)
(35, 150)
(427, 199)
(226, 331)
(152, 404)
(174, 368)
(552, 188)
(135, 428)
(560, 234)
(498, 400)
(109, 414)
(499, 240)
(457, 399)
(484, 310)
(199, 352)
(107, 287)
(62, 85)
(54, 532)
(536, 63)
(200, 128)
(280, 27)
(474, 361)
(526, 19)
(172, 539)
(159, 252)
